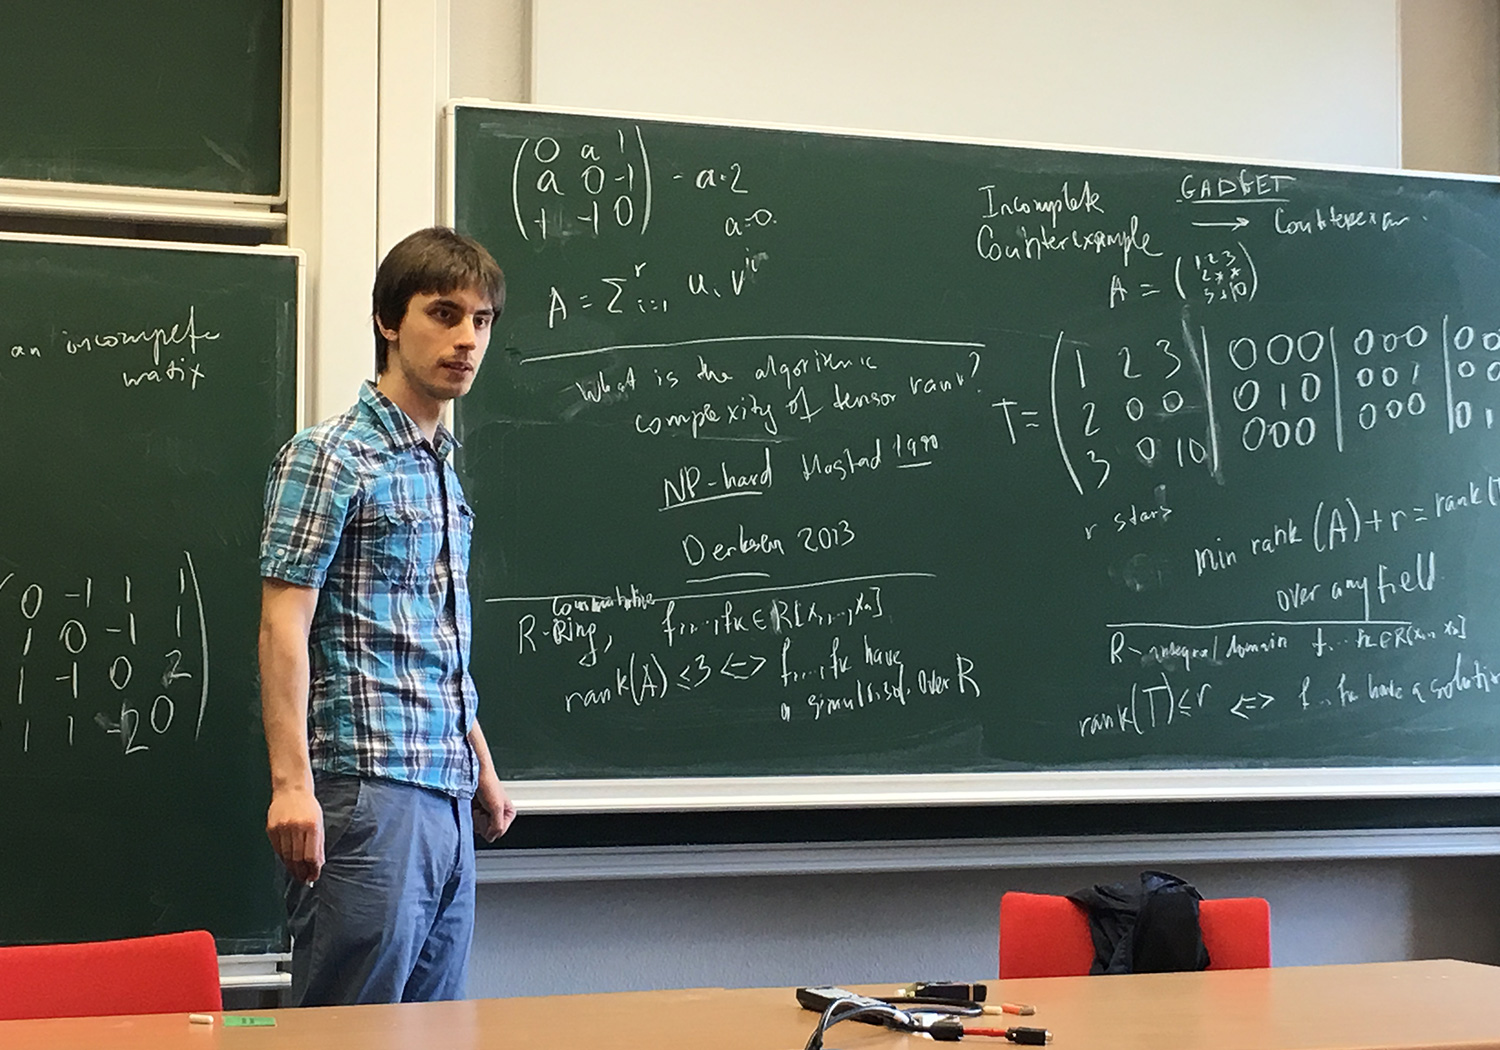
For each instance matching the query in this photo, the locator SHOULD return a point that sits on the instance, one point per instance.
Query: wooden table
(1439, 1003)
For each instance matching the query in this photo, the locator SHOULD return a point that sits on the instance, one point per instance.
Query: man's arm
(294, 821)
(493, 809)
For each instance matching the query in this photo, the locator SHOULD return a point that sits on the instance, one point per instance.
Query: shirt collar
(399, 427)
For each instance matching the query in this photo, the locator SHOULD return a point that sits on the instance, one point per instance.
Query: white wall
(332, 118)
(1283, 79)
(491, 49)
(1373, 82)
(1293, 80)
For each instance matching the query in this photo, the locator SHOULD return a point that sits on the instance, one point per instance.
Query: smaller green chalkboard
(143, 391)
(168, 94)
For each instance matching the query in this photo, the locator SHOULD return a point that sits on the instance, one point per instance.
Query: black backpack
(1149, 928)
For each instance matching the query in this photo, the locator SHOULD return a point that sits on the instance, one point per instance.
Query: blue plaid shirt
(365, 509)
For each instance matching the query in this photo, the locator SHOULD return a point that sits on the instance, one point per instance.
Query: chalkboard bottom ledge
(623, 863)
(729, 793)
(124, 204)
(260, 970)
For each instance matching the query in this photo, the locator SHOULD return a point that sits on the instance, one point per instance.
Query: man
(380, 774)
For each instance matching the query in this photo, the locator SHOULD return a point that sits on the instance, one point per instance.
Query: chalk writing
(173, 351)
(93, 678)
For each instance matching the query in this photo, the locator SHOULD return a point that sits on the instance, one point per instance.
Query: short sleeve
(308, 494)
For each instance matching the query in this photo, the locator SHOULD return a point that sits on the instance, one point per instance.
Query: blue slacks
(391, 917)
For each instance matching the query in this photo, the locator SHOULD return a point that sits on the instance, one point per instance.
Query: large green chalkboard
(173, 94)
(807, 453)
(143, 391)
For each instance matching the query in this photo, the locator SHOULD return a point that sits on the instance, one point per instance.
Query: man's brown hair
(437, 261)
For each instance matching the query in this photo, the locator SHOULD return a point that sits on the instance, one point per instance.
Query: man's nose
(467, 332)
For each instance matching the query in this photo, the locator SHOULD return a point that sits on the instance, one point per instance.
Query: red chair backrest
(1045, 935)
(167, 973)
(1236, 932)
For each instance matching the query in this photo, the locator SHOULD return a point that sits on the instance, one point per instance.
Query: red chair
(168, 973)
(1044, 935)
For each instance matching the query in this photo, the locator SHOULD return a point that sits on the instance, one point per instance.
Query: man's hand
(294, 824)
(493, 809)
(294, 821)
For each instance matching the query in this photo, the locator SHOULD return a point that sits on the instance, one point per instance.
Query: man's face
(437, 350)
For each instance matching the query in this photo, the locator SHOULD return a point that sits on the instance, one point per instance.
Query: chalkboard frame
(654, 794)
(213, 207)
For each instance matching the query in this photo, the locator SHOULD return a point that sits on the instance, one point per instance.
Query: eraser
(201, 1018)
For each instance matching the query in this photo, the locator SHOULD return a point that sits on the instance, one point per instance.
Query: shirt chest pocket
(462, 537)
(403, 544)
